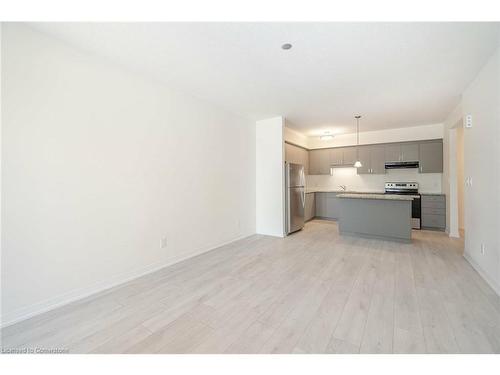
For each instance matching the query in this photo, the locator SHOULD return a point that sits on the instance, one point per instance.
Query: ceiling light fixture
(286, 46)
(357, 164)
(327, 136)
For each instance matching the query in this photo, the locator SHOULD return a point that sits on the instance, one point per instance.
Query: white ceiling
(394, 74)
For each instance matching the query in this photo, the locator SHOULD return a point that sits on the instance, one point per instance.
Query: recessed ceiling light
(286, 46)
(327, 136)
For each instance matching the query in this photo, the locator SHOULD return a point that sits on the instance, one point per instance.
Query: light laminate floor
(312, 292)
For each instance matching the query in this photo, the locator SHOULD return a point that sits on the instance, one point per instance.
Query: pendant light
(357, 164)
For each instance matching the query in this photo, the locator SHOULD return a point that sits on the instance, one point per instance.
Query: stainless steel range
(407, 188)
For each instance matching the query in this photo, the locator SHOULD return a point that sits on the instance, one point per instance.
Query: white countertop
(392, 197)
(333, 190)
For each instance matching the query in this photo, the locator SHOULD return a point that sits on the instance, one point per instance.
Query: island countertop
(332, 190)
(392, 197)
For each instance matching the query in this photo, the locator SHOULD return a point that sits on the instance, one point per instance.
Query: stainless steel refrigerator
(295, 197)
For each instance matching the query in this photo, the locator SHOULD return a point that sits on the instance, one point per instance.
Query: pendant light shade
(357, 164)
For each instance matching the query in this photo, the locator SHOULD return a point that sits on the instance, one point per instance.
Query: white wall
(98, 165)
(452, 122)
(295, 137)
(270, 156)
(482, 163)
(414, 133)
(429, 182)
(1, 164)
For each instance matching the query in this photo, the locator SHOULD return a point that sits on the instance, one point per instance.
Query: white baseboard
(73, 296)
(483, 274)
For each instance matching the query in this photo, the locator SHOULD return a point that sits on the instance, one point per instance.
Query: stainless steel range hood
(401, 164)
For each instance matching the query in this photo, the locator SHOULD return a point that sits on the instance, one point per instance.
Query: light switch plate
(468, 121)
(163, 242)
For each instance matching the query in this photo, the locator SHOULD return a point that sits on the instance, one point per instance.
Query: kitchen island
(386, 217)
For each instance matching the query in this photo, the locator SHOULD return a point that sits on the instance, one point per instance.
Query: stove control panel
(401, 185)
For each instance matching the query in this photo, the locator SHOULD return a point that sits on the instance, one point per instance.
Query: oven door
(416, 213)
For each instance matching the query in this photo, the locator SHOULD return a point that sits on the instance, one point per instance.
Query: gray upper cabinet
(429, 154)
(402, 152)
(393, 152)
(343, 156)
(377, 159)
(319, 161)
(372, 159)
(336, 156)
(364, 158)
(297, 155)
(431, 157)
(349, 155)
(409, 152)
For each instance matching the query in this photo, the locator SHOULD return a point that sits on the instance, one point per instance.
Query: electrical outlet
(163, 242)
(483, 248)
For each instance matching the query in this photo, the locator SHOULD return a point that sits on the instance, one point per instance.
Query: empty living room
(249, 182)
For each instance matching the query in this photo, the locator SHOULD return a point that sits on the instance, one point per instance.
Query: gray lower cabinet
(327, 205)
(433, 208)
(310, 210)
(431, 157)
(319, 161)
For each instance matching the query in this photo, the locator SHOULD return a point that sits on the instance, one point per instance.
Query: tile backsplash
(428, 182)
